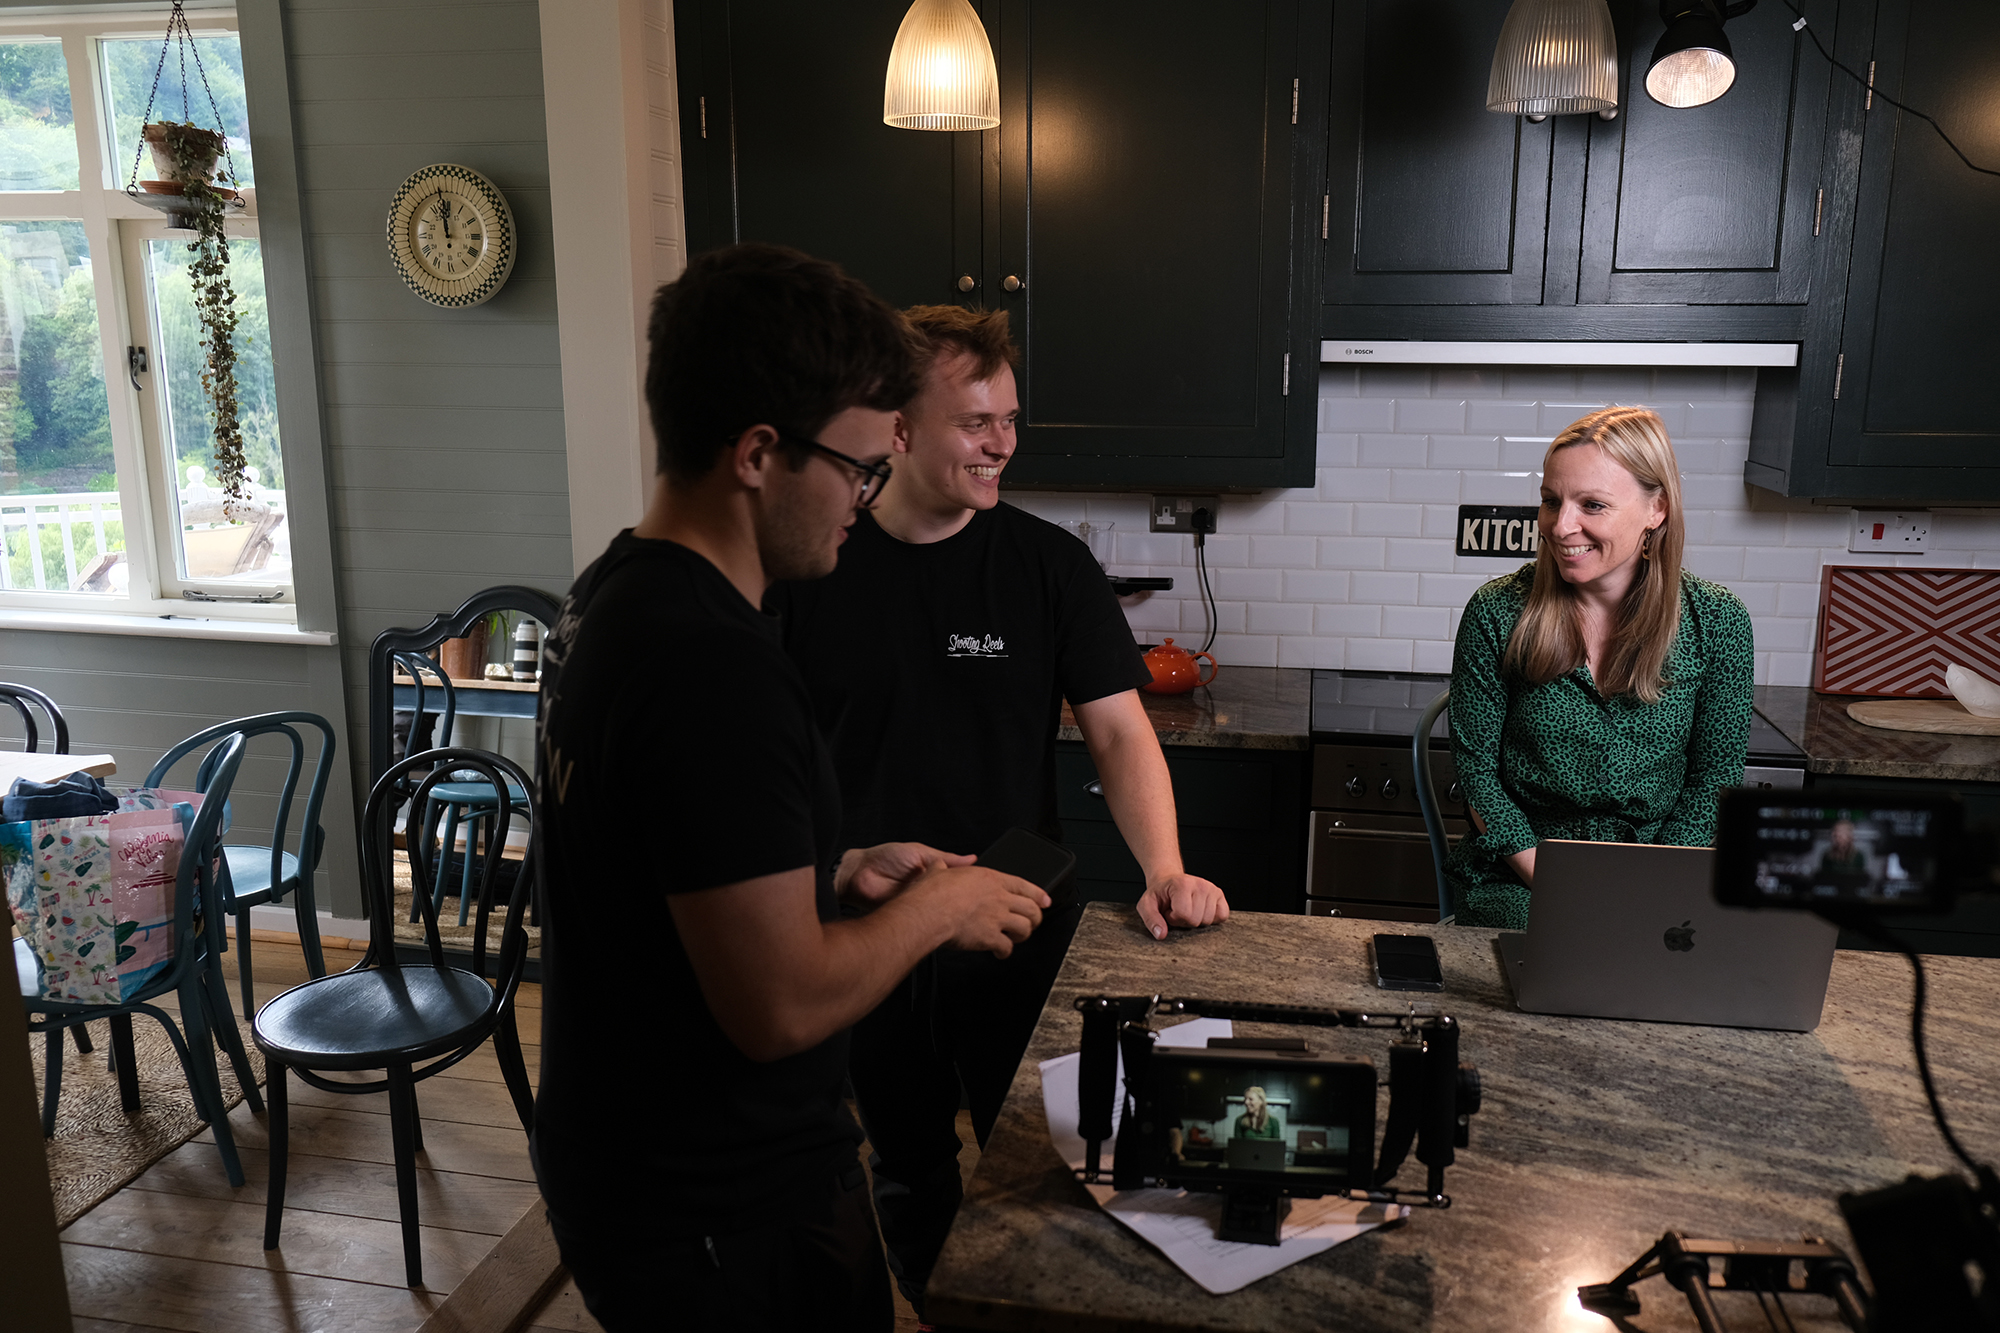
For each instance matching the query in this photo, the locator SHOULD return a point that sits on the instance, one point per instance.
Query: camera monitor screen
(1875, 850)
(1305, 1122)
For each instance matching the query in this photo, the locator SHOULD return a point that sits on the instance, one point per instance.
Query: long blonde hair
(1548, 639)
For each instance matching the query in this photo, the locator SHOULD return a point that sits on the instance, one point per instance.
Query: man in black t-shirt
(691, 1140)
(938, 657)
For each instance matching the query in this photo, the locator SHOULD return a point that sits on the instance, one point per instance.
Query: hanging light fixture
(1693, 65)
(1555, 58)
(941, 74)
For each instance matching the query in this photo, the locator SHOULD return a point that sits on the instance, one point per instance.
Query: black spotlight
(1692, 65)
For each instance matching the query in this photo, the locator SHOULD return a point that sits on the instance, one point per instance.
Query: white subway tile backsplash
(1358, 570)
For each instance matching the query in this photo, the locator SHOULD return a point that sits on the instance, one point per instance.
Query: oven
(1369, 855)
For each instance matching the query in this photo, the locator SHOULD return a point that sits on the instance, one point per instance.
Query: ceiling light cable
(1806, 28)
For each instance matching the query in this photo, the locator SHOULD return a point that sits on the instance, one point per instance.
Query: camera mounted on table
(1306, 1128)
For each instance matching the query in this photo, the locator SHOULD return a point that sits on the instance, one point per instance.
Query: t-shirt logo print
(975, 645)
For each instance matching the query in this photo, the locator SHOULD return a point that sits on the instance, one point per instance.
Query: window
(106, 463)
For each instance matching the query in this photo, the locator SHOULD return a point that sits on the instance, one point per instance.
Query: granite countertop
(1836, 744)
(1594, 1138)
(1247, 708)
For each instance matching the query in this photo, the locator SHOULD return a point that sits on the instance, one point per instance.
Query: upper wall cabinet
(1894, 396)
(1134, 213)
(1444, 220)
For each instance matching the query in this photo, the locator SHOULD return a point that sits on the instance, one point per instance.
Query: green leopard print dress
(1560, 760)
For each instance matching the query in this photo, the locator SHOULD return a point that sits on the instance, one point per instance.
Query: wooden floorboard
(509, 1283)
(190, 1296)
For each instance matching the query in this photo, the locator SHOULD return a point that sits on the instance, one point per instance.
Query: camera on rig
(1265, 1122)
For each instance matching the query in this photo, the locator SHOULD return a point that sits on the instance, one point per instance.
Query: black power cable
(1803, 26)
(1207, 593)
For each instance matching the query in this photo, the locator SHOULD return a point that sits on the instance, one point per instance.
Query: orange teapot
(1175, 670)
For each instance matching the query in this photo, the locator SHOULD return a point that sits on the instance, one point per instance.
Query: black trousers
(820, 1267)
(960, 1019)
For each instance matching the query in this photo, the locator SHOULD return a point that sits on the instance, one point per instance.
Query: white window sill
(175, 625)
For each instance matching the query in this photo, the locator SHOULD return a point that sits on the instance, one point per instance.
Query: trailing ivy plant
(194, 151)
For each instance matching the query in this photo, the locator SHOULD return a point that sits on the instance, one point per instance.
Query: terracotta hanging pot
(465, 659)
(204, 146)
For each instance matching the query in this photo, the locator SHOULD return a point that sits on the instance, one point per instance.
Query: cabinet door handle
(1010, 283)
(1094, 787)
(967, 282)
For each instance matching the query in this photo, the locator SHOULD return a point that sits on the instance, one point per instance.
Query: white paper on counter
(1180, 1224)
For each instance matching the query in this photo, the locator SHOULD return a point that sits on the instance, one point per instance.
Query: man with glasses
(938, 657)
(691, 1138)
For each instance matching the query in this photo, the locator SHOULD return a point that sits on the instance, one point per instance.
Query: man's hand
(870, 876)
(992, 911)
(1181, 900)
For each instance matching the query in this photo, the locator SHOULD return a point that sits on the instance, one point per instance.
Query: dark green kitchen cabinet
(1894, 397)
(1444, 220)
(1138, 212)
(1242, 817)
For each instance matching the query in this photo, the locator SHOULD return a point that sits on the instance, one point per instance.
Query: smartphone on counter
(1407, 962)
(1049, 866)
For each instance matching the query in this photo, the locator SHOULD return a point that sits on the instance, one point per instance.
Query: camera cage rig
(1432, 1098)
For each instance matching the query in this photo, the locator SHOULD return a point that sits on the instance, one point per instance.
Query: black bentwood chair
(409, 1020)
(1427, 801)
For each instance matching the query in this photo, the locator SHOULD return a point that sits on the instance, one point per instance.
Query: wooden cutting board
(1946, 715)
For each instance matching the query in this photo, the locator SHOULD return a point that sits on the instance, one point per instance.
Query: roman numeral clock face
(451, 235)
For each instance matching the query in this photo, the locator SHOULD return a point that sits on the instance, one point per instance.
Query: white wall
(1359, 570)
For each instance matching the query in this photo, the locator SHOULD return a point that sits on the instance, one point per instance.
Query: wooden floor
(178, 1249)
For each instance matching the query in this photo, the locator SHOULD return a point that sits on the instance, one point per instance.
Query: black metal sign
(1506, 532)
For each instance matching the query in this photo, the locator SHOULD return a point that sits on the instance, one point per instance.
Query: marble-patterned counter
(1595, 1137)
(1248, 708)
(1836, 744)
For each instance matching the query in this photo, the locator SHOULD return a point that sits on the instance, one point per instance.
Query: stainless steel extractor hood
(1347, 352)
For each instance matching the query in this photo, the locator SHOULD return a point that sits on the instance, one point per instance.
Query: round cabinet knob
(1355, 786)
(1010, 283)
(967, 282)
(1456, 794)
(1389, 789)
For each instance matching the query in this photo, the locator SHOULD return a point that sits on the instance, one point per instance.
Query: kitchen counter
(1836, 744)
(1247, 708)
(1594, 1138)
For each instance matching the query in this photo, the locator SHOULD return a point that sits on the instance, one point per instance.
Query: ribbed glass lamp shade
(941, 74)
(1555, 58)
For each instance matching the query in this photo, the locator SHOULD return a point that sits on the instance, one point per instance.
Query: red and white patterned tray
(1892, 632)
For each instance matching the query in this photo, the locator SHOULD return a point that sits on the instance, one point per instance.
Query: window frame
(113, 225)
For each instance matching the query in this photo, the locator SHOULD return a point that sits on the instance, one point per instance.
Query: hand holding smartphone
(1049, 866)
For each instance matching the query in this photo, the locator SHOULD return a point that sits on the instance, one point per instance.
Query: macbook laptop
(1619, 930)
(1255, 1154)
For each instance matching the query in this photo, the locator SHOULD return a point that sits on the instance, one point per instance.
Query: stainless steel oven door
(1373, 865)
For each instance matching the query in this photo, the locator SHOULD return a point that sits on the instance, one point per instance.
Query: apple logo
(1680, 939)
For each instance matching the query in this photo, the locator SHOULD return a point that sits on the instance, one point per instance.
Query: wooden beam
(509, 1285)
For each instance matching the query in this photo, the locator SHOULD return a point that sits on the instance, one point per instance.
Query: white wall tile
(1424, 553)
(1364, 622)
(1352, 553)
(1380, 655)
(1246, 649)
(1315, 585)
(1388, 520)
(1386, 450)
(1383, 587)
(1502, 418)
(1418, 416)
(1263, 512)
(1357, 414)
(1260, 584)
(1283, 552)
(1416, 622)
(1280, 618)
(1432, 656)
(1434, 486)
(1319, 517)
(1465, 451)
(1337, 450)
(1323, 654)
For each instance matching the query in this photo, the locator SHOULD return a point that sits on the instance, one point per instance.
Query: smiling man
(938, 657)
(691, 1138)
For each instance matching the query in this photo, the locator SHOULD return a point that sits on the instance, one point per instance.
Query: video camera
(1264, 1122)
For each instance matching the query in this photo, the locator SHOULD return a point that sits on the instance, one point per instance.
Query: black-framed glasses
(874, 476)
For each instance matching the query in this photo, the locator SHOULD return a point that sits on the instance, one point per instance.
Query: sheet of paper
(1182, 1225)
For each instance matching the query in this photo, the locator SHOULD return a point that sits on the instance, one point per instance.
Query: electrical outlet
(1897, 532)
(1183, 513)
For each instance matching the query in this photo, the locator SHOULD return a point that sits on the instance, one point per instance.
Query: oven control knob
(1355, 786)
(1390, 790)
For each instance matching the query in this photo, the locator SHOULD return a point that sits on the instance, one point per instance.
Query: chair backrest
(312, 838)
(450, 625)
(378, 862)
(24, 700)
(417, 666)
(196, 882)
(1427, 801)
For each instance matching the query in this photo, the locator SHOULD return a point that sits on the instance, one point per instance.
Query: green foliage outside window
(37, 131)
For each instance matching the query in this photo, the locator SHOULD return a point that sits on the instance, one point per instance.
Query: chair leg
(198, 1061)
(51, 1080)
(514, 1068)
(243, 961)
(82, 1036)
(123, 1060)
(402, 1124)
(274, 1195)
(444, 857)
(472, 823)
(228, 1033)
(307, 912)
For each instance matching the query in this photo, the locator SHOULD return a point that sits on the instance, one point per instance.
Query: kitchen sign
(1501, 531)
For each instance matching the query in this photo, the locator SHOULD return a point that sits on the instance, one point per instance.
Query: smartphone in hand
(1049, 866)
(1407, 962)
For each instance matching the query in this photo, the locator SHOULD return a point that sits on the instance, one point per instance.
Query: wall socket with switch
(1183, 513)
(1901, 532)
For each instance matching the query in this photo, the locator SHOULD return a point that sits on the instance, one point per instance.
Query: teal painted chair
(473, 802)
(259, 875)
(25, 701)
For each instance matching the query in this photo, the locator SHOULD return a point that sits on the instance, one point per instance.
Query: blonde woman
(1600, 693)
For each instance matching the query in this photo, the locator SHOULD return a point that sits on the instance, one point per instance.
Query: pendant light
(1692, 64)
(1555, 58)
(941, 74)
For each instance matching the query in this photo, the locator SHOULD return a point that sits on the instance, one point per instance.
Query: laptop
(1619, 930)
(1255, 1154)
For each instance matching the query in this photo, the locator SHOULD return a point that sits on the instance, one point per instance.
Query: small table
(1595, 1138)
(49, 767)
(474, 698)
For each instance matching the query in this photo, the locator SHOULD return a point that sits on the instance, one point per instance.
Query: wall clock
(451, 235)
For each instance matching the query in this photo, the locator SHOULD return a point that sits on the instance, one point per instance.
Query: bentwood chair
(1427, 801)
(25, 701)
(409, 1020)
(259, 875)
(192, 977)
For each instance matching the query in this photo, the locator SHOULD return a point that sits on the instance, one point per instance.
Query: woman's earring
(1646, 545)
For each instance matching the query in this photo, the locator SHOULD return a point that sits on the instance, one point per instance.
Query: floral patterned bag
(94, 895)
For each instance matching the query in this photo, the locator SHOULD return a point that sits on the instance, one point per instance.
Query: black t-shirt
(938, 672)
(677, 752)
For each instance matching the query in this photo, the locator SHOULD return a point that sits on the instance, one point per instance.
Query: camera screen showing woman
(1601, 693)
